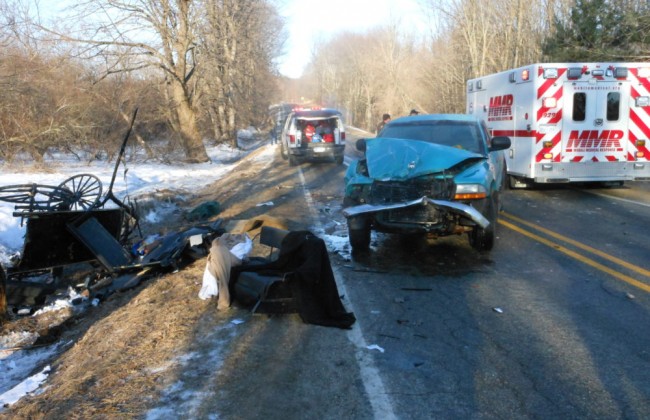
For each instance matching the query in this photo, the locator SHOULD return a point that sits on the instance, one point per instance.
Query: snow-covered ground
(141, 179)
(134, 179)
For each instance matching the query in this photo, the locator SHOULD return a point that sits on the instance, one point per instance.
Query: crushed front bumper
(462, 210)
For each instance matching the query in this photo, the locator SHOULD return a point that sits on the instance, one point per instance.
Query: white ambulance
(569, 122)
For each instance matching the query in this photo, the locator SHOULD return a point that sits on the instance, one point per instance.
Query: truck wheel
(293, 161)
(517, 183)
(359, 239)
(283, 151)
(3, 295)
(483, 239)
(338, 160)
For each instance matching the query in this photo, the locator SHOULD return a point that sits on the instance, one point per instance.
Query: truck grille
(384, 192)
(417, 215)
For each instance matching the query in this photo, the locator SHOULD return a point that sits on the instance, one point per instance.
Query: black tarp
(304, 256)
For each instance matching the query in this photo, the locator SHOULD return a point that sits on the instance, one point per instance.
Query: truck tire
(3, 295)
(283, 151)
(293, 161)
(517, 183)
(482, 239)
(359, 239)
(338, 160)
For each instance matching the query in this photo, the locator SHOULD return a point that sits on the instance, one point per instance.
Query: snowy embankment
(135, 180)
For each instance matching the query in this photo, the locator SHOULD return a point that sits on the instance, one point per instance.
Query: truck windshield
(460, 134)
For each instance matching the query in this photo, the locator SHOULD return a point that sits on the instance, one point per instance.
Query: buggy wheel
(86, 191)
(35, 197)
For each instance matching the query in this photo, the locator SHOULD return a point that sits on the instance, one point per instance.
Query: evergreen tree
(601, 30)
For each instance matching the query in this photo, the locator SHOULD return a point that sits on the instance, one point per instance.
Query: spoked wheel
(35, 197)
(86, 191)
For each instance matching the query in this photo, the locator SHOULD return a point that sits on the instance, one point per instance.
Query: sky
(312, 21)
(309, 21)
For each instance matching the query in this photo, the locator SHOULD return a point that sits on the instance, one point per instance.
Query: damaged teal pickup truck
(436, 174)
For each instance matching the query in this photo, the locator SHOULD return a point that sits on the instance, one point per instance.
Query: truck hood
(399, 159)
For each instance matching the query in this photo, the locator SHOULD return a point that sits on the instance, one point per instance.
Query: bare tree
(133, 35)
(237, 43)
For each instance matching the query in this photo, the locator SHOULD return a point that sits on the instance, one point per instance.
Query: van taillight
(342, 136)
(292, 138)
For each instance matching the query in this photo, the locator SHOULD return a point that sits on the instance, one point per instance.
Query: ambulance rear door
(594, 121)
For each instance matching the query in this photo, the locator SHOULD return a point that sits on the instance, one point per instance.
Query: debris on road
(375, 347)
(204, 211)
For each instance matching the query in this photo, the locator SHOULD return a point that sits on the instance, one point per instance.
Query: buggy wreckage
(74, 223)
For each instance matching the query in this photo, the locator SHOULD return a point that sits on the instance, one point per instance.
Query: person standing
(385, 119)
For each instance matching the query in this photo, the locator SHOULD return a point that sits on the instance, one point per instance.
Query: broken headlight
(470, 192)
(362, 167)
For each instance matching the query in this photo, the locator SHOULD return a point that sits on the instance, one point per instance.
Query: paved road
(553, 323)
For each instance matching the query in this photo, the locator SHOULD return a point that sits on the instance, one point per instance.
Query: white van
(313, 134)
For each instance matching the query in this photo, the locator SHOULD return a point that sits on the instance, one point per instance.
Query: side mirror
(361, 145)
(500, 143)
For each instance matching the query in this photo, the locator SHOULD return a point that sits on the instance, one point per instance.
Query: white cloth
(220, 261)
(210, 287)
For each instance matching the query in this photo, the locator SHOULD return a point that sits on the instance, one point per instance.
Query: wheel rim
(86, 190)
(35, 197)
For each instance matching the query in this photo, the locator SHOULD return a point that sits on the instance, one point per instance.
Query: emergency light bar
(574, 73)
(620, 72)
(550, 73)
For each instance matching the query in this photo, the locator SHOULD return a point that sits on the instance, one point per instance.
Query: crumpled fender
(454, 207)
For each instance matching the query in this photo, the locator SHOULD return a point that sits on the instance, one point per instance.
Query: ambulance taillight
(642, 101)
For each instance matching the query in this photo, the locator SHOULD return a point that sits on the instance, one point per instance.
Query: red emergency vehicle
(569, 122)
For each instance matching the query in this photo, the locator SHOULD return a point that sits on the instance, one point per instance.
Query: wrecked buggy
(75, 223)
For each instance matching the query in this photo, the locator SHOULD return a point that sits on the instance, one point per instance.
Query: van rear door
(594, 121)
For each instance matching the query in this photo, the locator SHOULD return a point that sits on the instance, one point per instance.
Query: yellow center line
(578, 257)
(580, 245)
